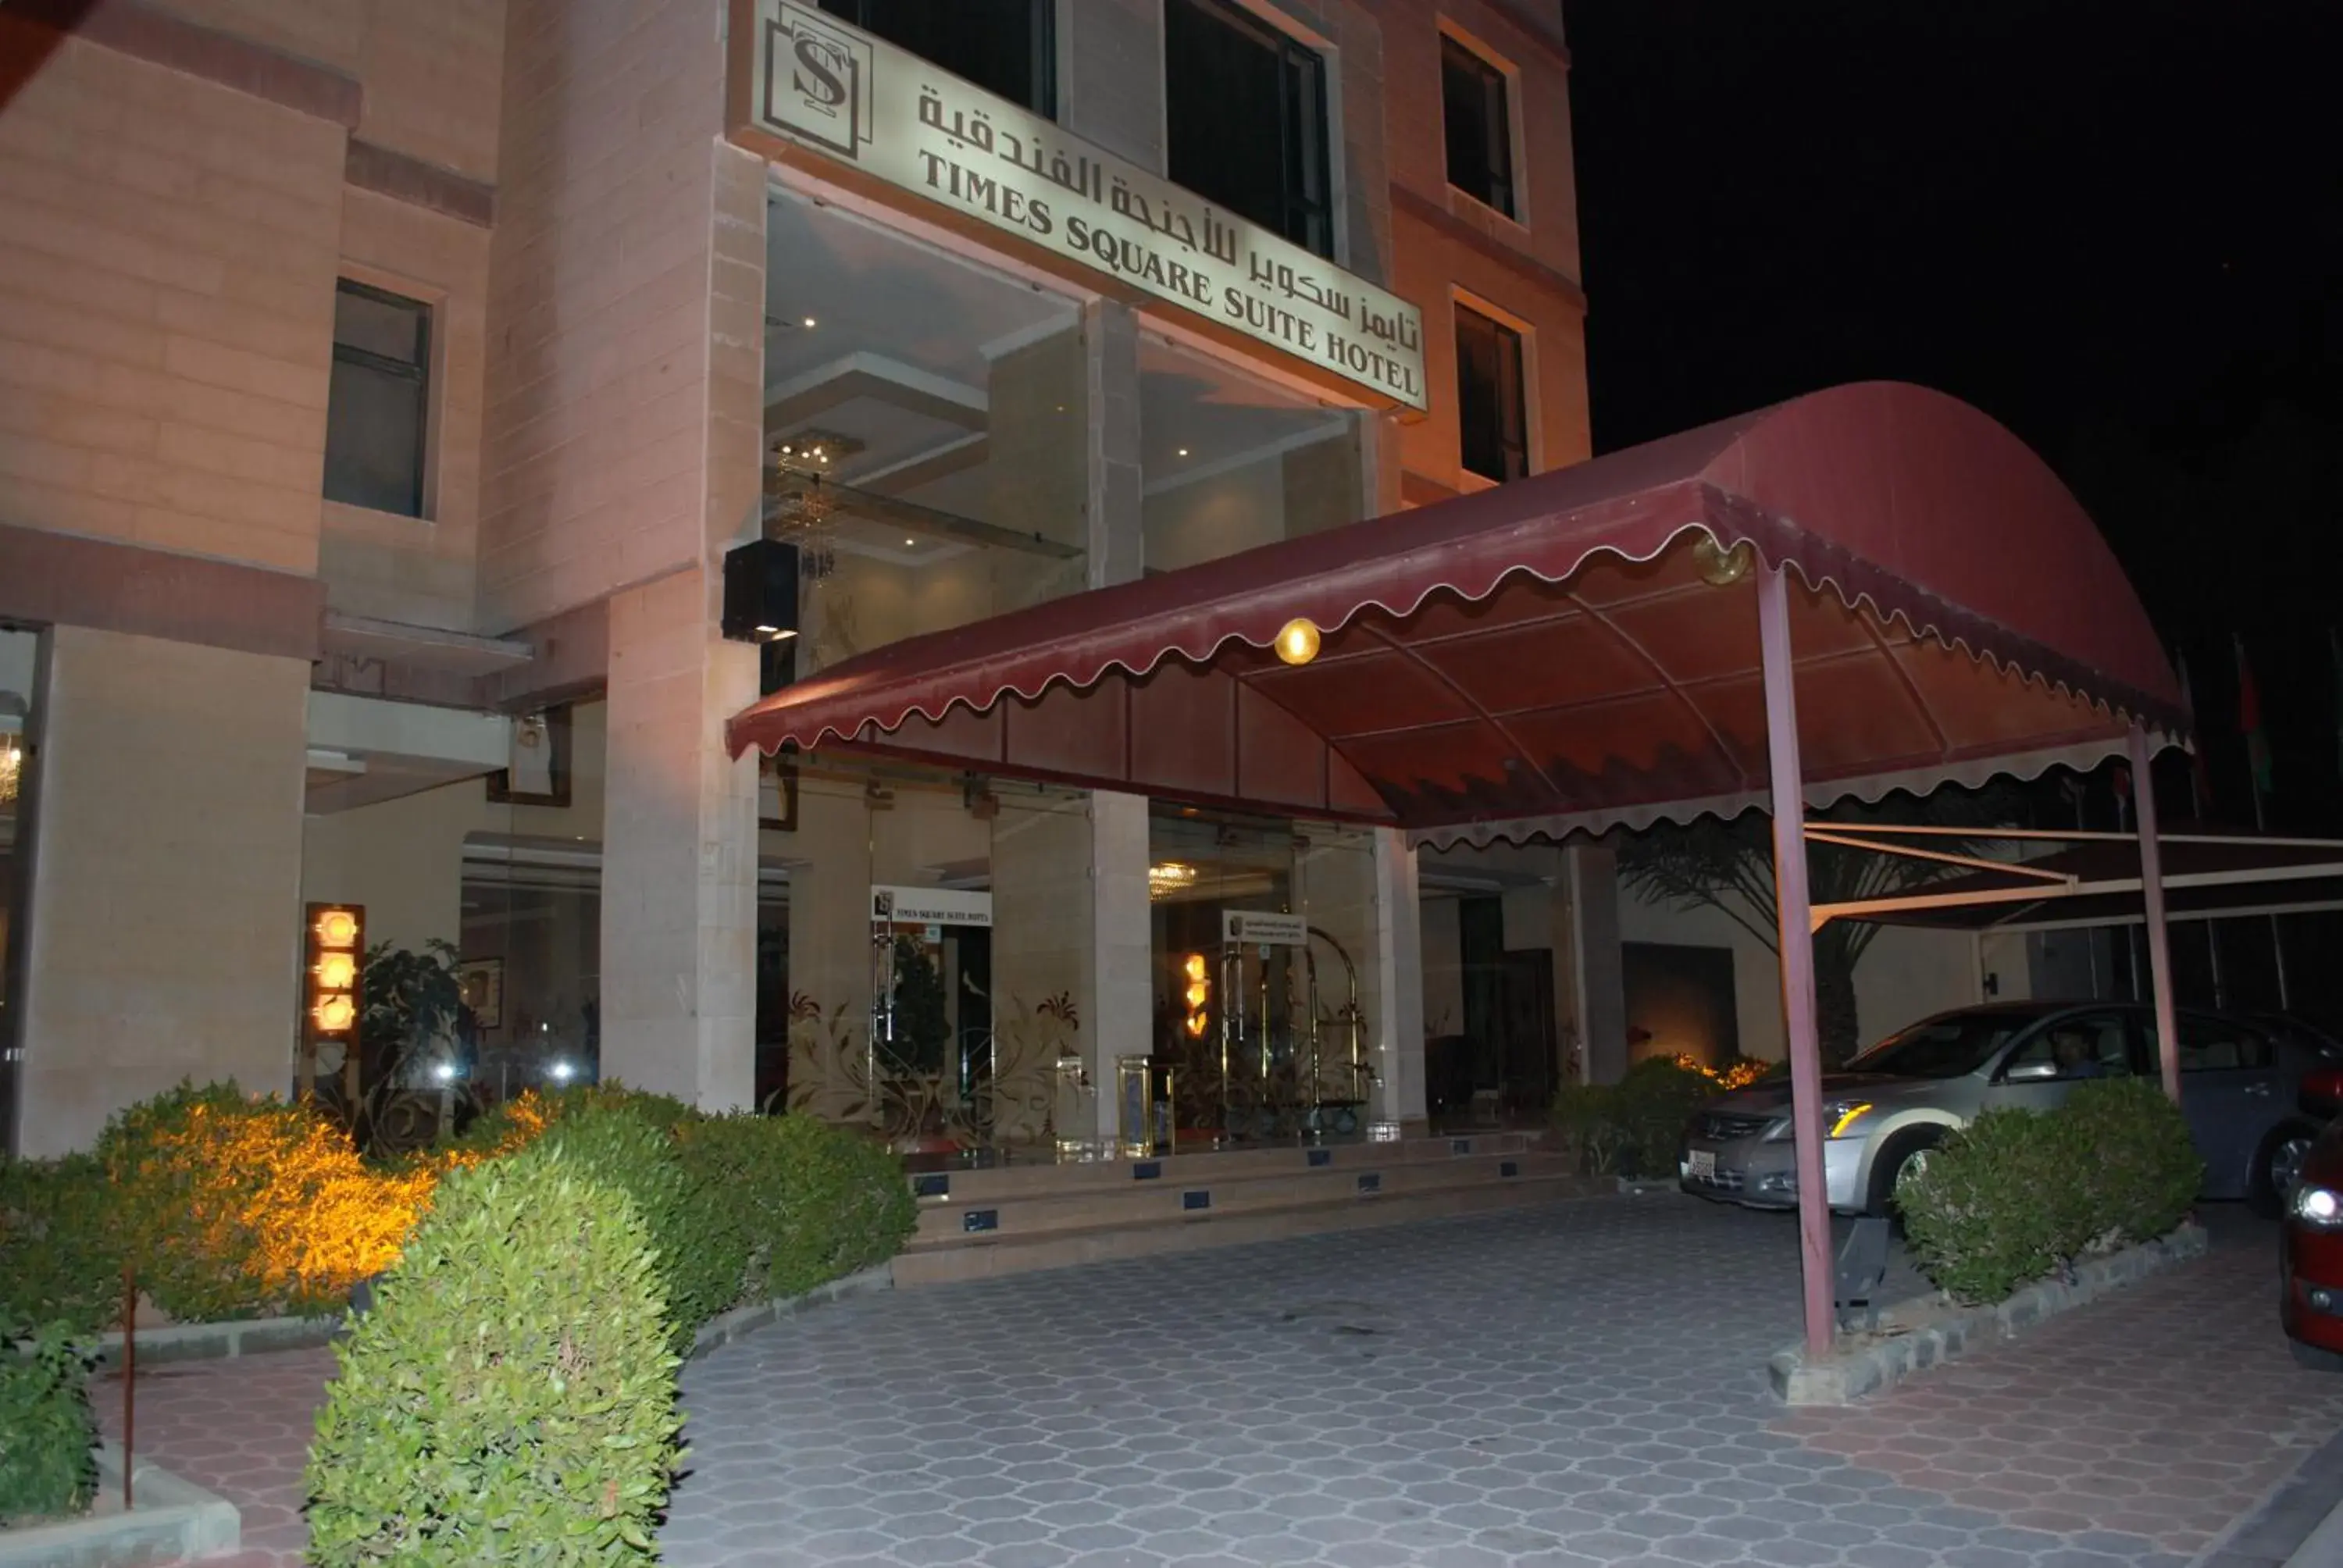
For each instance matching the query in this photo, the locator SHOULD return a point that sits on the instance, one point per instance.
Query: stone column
(1398, 1006)
(678, 993)
(1123, 945)
(678, 851)
(163, 935)
(1598, 984)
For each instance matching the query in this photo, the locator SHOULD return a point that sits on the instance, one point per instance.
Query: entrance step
(1102, 1211)
(1002, 1183)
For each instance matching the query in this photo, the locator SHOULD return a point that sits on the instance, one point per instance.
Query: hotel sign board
(891, 906)
(815, 81)
(1268, 928)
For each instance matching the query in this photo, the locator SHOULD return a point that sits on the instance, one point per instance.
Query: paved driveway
(1575, 1385)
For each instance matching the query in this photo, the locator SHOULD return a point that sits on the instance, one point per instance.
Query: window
(1494, 424)
(1005, 46)
(2217, 1045)
(1246, 111)
(377, 410)
(2090, 1045)
(1480, 130)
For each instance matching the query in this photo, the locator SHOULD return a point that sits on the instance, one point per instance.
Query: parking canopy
(1866, 588)
(1572, 650)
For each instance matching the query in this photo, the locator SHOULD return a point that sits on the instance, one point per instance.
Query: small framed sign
(482, 983)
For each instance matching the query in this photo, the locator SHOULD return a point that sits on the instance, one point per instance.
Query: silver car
(1897, 1100)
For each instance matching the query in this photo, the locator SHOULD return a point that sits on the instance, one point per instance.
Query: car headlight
(2320, 1207)
(1839, 1115)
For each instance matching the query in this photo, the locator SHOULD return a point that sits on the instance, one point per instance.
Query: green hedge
(511, 1397)
(701, 1247)
(60, 1258)
(815, 1202)
(2017, 1196)
(1634, 1127)
(48, 1439)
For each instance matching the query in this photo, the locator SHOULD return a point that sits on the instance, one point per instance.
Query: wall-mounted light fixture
(331, 995)
(1298, 640)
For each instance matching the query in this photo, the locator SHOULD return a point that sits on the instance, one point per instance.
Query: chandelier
(11, 768)
(1168, 876)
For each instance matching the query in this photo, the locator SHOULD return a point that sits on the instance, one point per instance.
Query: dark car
(2240, 1078)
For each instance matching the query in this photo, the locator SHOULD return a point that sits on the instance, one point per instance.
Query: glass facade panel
(926, 435)
(1229, 461)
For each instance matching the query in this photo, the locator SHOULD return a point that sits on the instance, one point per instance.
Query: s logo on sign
(818, 80)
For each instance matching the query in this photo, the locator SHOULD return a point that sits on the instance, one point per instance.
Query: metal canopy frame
(2033, 885)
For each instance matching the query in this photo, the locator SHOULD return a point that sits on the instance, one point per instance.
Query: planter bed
(1929, 1330)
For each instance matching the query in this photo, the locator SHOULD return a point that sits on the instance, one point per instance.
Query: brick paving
(1573, 1385)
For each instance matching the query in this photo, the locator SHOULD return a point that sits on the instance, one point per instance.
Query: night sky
(2116, 228)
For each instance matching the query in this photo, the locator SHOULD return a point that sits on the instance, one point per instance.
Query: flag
(2200, 780)
(2249, 720)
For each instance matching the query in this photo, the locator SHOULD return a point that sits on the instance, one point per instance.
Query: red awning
(1550, 655)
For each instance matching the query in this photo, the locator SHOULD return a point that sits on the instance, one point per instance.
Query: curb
(726, 1327)
(174, 1519)
(1926, 1331)
(259, 1336)
(220, 1341)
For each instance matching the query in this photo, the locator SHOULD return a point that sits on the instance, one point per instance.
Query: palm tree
(1728, 866)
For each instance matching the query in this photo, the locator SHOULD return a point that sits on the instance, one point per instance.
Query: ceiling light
(1183, 451)
(810, 321)
(909, 543)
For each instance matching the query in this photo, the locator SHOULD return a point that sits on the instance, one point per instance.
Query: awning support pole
(1796, 940)
(2151, 887)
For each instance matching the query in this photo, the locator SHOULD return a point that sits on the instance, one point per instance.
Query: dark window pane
(1479, 131)
(374, 440)
(1245, 117)
(1495, 425)
(1005, 46)
(378, 323)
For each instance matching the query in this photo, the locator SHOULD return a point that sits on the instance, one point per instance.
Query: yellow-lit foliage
(1738, 1073)
(272, 1193)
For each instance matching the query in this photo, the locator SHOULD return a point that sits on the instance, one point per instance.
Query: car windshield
(1953, 1046)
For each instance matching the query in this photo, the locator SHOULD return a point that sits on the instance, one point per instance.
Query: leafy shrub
(511, 1396)
(2016, 1195)
(700, 1242)
(59, 1261)
(818, 1201)
(1987, 1213)
(2139, 1171)
(519, 1121)
(233, 1207)
(48, 1439)
(1633, 1127)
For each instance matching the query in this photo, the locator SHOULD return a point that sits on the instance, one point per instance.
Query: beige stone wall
(433, 70)
(166, 286)
(609, 205)
(402, 860)
(329, 32)
(166, 880)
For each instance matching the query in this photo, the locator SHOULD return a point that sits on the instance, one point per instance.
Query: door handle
(2260, 1090)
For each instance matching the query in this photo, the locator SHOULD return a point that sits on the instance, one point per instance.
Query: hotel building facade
(386, 394)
